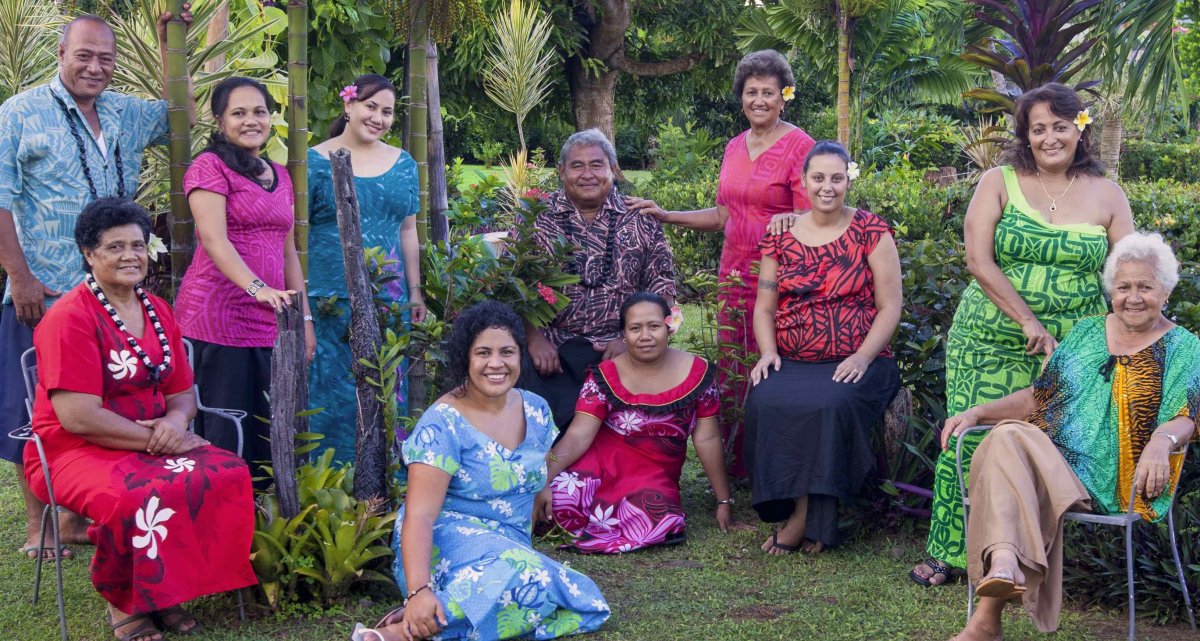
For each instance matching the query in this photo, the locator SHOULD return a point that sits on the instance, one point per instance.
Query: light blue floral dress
(489, 579)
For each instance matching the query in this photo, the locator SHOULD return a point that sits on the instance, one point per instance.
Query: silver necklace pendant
(1053, 207)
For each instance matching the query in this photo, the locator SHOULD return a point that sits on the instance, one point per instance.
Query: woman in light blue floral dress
(475, 462)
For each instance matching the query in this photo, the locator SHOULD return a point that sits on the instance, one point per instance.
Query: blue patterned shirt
(41, 178)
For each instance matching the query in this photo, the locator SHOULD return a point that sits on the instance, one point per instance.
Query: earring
(346, 117)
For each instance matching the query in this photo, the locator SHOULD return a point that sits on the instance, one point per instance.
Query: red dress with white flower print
(623, 493)
(167, 529)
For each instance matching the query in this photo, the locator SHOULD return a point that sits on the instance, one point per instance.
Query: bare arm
(1018, 405)
(84, 415)
(889, 298)
(765, 305)
(427, 487)
(707, 441)
(1121, 223)
(573, 444)
(710, 219)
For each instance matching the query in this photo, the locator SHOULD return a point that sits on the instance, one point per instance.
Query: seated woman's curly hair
(767, 63)
(102, 215)
(468, 326)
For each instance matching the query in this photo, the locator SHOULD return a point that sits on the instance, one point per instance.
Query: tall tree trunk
(218, 30)
(289, 399)
(179, 145)
(370, 461)
(418, 113)
(593, 99)
(298, 122)
(843, 88)
(439, 202)
(1112, 131)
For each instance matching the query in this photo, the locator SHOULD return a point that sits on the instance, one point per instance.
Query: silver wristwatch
(254, 286)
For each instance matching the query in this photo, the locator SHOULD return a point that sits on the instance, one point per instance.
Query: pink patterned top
(209, 306)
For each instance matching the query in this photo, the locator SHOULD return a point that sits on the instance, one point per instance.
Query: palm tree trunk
(439, 228)
(298, 122)
(1112, 131)
(179, 145)
(418, 114)
(843, 88)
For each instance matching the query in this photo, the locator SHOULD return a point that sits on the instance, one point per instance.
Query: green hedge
(1141, 160)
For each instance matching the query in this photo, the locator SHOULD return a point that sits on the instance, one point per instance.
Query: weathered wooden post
(370, 470)
(289, 398)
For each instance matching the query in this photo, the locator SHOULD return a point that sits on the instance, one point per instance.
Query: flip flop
(999, 586)
(47, 551)
(776, 545)
(147, 630)
(181, 617)
(937, 567)
(363, 633)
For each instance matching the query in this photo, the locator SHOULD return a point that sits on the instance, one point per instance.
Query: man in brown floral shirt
(618, 253)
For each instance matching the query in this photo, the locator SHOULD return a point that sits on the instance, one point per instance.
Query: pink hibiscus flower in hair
(348, 93)
(547, 294)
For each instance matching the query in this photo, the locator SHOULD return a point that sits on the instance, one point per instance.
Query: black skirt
(808, 435)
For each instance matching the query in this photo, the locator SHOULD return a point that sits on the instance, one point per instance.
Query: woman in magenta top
(760, 177)
(245, 265)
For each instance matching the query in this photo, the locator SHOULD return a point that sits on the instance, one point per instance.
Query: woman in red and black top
(828, 303)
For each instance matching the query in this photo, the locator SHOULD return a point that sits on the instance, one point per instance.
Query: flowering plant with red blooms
(547, 294)
(535, 194)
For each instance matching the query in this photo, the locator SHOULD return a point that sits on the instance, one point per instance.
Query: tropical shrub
(1145, 160)
(918, 138)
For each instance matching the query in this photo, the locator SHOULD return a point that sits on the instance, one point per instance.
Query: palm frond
(516, 75)
(27, 45)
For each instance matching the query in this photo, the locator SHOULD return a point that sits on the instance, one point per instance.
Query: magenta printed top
(210, 307)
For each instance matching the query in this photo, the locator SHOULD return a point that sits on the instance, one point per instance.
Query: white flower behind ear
(155, 247)
(852, 170)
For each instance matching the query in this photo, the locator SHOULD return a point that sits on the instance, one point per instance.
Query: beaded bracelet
(427, 586)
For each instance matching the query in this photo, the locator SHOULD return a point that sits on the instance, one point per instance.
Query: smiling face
(646, 332)
(826, 183)
(495, 363)
(119, 260)
(86, 59)
(371, 118)
(587, 176)
(1137, 296)
(246, 121)
(762, 101)
(1052, 138)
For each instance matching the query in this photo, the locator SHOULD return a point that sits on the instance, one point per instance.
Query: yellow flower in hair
(1083, 119)
(789, 92)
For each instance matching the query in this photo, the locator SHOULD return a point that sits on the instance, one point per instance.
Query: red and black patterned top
(641, 261)
(826, 293)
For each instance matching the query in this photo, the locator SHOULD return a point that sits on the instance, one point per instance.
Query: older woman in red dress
(760, 177)
(172, 517)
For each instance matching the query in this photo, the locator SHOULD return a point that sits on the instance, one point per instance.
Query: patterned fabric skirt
(814, 443)
(167, 529)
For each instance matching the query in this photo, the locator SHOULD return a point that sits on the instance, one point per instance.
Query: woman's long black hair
(235, 157)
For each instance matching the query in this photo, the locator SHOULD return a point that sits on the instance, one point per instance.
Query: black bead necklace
(156, 371)
(579, 266)
(87, 171)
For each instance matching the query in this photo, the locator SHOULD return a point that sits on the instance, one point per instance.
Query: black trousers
(561, 390)
(236, 378)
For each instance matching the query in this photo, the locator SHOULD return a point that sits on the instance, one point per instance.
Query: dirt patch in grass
(758, 613)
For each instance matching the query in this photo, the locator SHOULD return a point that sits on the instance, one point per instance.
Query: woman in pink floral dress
(616, 470)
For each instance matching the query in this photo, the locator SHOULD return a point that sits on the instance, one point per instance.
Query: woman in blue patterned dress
(385, 179)
(475, 462)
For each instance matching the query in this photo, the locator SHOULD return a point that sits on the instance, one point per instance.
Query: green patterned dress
(1056, 270)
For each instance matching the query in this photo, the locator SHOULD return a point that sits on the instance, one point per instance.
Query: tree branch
(664, 68)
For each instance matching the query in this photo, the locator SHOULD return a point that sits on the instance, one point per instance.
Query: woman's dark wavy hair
(468, 326)
(368, 85)
(767, 63)
(643, 297)
(827, 148)
(102, 215)
(1064, 103)
(234, 157)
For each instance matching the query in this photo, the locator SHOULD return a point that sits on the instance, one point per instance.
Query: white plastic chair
(1126, 520)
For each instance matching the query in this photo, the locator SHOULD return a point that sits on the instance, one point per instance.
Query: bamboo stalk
(298, 122)
(179, 145)
(418, 115)
(439, 201)
(843, 87)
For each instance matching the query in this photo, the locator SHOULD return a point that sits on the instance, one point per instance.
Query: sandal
(363, 633)
(147, 631)
(776, 545)
(999, 586)
(936, 567)
(47, 551)
(181, 618)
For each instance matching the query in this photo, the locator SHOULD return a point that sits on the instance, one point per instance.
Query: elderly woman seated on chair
(172, 516)
(1106, 418)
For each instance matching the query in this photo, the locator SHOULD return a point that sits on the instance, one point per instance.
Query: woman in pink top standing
(244, 268)
(760, 177)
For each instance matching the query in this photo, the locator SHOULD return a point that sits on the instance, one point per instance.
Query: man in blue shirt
(62, 145)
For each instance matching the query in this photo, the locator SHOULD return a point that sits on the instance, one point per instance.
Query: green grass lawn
(473, 173)
(717, 587)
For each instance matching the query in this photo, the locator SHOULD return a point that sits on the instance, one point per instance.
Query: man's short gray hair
(1144, 247)
(588, 138)
(87, 17)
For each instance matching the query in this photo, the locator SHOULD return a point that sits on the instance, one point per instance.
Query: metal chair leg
(1129, 578)
(1187, 599)
(37, 572)
(241, 605)
(58, 549)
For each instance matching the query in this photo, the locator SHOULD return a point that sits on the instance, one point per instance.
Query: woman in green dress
(385, 179)
(1036, 233)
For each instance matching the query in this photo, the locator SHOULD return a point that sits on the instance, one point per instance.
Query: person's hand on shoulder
(646, 207)
(781, 223)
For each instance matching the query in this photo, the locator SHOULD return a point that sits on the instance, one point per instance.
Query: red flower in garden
(535, 194)
(547, 294)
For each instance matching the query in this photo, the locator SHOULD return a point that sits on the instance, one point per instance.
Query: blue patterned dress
(384, 202)
(486, 574)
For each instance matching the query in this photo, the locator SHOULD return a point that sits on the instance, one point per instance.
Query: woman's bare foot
(1004, 579)
(812, 547)
(73, 528)
(977, 630)
(785, 540)
(938, 575)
